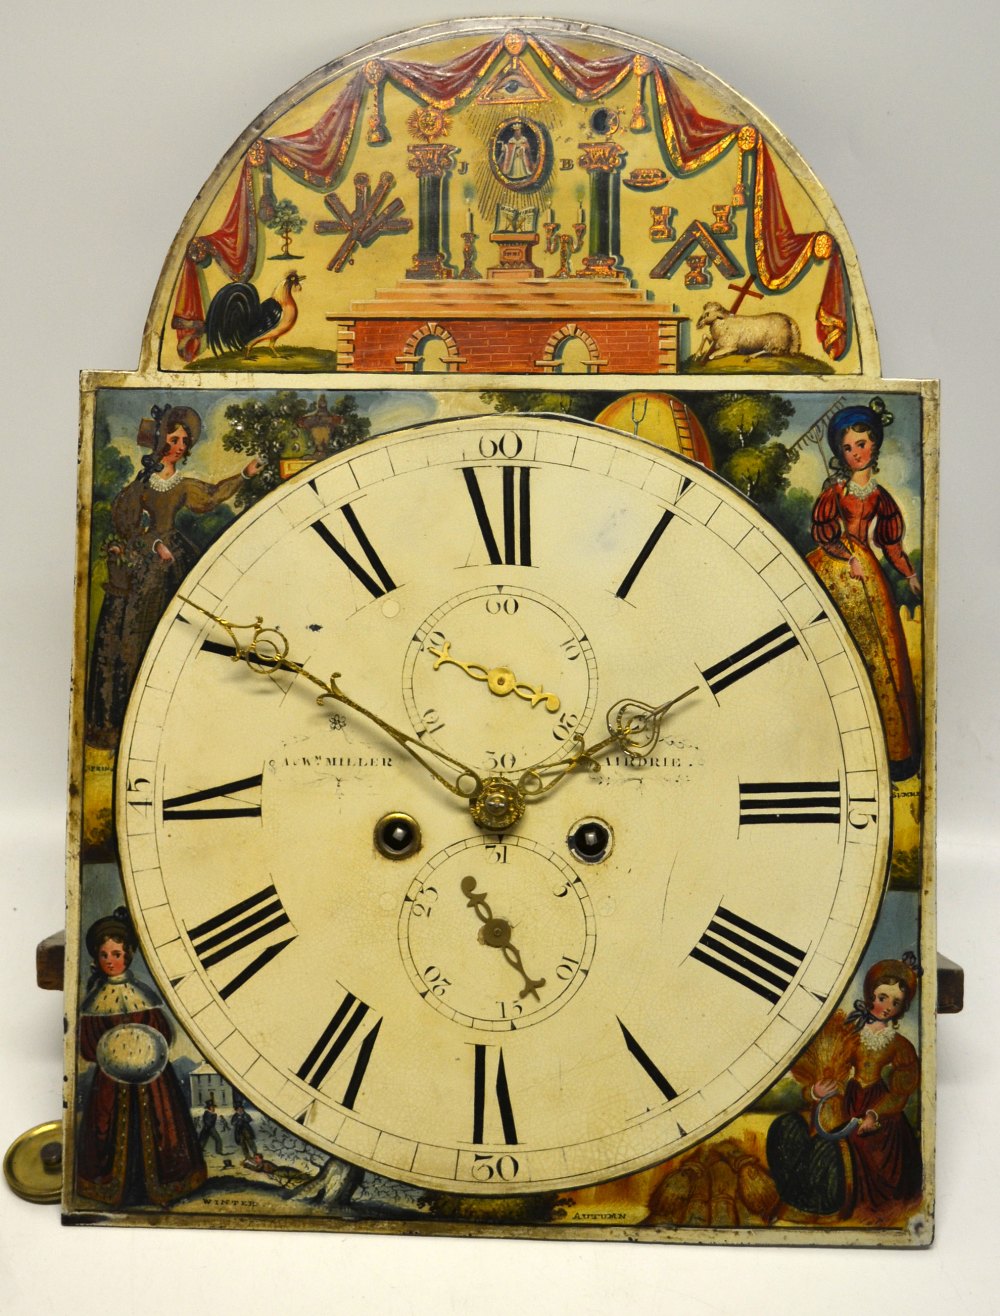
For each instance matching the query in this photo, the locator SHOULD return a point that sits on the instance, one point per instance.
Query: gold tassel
(375, 76)
(746, 140)
(641, 66)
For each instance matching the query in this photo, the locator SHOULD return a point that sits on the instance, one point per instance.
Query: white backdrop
(114, 114)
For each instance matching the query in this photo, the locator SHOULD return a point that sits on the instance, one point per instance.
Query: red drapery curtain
(692, 141)
(233, 246)
(317, 155)
(443, 85)
(782, 254)
(588, 80)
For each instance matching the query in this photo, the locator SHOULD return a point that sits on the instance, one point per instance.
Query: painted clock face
(428, 984)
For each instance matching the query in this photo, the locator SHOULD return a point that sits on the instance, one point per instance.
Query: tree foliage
(740, 428)
(584, 405)
(741, 420)
(286, 220)
(112, 471)
(760, 473)
(791, 512)
(269, 428)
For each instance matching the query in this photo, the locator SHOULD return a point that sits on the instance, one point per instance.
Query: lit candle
(583, 217)
(552, 215)
(471, 230)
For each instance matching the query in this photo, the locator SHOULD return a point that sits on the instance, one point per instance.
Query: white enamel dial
(491, 1013)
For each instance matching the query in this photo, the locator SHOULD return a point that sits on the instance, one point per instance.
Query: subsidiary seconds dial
(516, 715)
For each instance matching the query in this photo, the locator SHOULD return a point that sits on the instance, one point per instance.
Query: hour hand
(633, 726)
(267, 650)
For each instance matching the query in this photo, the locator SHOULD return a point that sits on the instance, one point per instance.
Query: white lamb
(771, 334)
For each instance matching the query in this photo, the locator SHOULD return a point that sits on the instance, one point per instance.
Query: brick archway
(550, 362)
(411, 357)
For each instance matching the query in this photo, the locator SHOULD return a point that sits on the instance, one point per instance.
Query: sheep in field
(771, 334)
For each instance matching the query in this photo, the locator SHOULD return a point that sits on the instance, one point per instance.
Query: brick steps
(524, 300)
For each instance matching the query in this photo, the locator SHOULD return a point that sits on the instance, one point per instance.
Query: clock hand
(499, 680)
(268, 649)
(633, 727)
(496, 932)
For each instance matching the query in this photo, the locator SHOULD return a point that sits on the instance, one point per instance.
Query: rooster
(238, 320)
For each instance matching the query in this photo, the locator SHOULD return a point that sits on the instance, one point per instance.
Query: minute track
(730, 713)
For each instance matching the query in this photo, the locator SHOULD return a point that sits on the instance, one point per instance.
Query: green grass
(289, 360)
(735, 363)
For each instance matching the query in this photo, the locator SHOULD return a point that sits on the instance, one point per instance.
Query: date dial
(502, 677)
(497, 933)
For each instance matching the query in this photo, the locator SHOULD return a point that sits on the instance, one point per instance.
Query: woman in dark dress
(148, 557)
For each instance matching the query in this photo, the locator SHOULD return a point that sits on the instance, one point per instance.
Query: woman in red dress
(137, 1142)
(853, 513)
(856, 1155)
(883, 1157)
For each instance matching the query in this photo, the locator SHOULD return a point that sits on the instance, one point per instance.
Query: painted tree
(112, 471)
(744, 420)
(269, 427)
(583, 404)
(286, 221)
(740, 427)
(760, 473)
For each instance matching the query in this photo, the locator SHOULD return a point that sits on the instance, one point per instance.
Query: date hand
(267, 651)
(632, 726)
(496, 932)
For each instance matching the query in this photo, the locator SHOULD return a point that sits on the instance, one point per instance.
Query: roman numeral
(643, 555)
(250, 922)
(516, 515)
(219, 647)
(237, 799)
(789, 802)
(501, 1092)
(746, 660)
(378, 584)
(661, 1081)
(749, 955)
(351, 1015)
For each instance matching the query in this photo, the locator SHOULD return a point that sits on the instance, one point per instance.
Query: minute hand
(632, 726)
(268, 649)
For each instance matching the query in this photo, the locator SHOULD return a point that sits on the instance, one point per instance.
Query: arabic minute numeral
(437, 983)
(508, 445)
(565, 727)
(486, 1167)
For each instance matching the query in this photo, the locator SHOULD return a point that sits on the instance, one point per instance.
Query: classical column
(603, 161)
(431, 162)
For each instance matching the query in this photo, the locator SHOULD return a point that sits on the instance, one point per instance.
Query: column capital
(601, 157)
(431, 159)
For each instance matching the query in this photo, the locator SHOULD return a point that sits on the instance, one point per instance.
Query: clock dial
(497, 933)
(528, 717)
(619, 643)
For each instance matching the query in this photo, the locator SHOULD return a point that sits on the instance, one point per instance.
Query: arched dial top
(630, 642)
